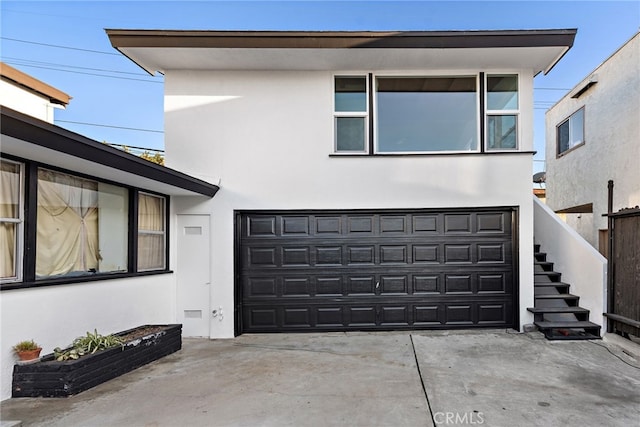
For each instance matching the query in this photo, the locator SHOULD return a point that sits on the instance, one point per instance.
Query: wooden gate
(624, 271)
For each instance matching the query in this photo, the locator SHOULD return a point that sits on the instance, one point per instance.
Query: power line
(549, 88)
(82, 72)
(29, 61)
(109, 126)
(61, 47)
(133, 147)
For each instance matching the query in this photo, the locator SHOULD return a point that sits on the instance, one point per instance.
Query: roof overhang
(17, 77)
(32, 139)
(162, 50)
(586, 208)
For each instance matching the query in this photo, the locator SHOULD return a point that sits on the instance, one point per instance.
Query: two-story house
(353, 169)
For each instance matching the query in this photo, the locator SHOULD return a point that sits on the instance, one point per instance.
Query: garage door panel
(381, 283)
(391, 270)
(273, 255)
(344, 315)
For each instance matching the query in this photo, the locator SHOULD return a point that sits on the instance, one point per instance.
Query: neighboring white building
(593, 136)
(353, 169)
(28, 95)
(83, 229)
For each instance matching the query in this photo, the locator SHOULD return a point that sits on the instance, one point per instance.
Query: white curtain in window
(9, 205)
(151, 252)
(67, 225)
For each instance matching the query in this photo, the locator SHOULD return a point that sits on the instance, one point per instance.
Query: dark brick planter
(49, 378)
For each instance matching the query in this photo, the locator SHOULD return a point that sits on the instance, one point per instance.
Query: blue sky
(108, 89)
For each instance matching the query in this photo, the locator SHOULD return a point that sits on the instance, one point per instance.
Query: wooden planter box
(50, 378)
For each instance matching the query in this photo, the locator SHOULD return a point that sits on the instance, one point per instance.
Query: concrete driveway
(492, 378)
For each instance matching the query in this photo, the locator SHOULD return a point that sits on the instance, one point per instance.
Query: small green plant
(88, 344)
(26, 346)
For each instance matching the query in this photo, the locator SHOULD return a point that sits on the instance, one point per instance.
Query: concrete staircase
(556, 311)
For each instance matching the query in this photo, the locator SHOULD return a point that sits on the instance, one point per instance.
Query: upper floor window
(570, 133)
(502, 112)
(11, 219)
(417, 114)
(351, 114)
(425, 114)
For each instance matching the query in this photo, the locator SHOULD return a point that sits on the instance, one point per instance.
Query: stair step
(570, 335)
(544, 265)
(557, 310)
(547, 273)
(583, 324)
(566, 297)
(550, 284)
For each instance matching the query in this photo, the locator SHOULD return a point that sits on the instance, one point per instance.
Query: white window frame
(19, 244)
(489, 113)
(568, 120)
(163, 233)
(354, 114)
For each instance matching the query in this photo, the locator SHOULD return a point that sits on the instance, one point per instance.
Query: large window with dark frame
(82, 227)
(425, 114)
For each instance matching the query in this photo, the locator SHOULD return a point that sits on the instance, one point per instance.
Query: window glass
(426, 114)
(151, 235)
(81, 226)
(502, 92)
(10, 218)
(577, 128)
(350, 134)
(570, 133)
(502, 132)
(351, 94)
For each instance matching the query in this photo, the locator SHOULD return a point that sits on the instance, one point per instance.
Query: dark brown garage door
(343, 271)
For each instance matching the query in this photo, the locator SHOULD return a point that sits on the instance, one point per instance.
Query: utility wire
(83, 72)
(61, 47)
(133, 147)
(109, 126)
(27, 62)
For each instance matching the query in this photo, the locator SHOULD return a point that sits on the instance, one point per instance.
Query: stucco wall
(266, 137)
(26, 102)
(612, 143)
(581, 265)
(53, 316)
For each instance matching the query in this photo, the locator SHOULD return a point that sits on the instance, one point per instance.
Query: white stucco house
(28, 95)
(349, 171)
(84, 228)
(593, 136)
(353, 169)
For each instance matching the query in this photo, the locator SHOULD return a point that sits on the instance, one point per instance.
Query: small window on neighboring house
(351, 114)
(151, 232)
(502, 112)
(11, 220)
(570, 133)
(82, 226)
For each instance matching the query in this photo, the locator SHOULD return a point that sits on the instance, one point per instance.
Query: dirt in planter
(142, 332)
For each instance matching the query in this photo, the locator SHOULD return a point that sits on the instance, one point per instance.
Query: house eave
(27, 137)
(161, 50)
(17, 77)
